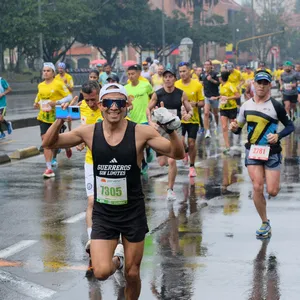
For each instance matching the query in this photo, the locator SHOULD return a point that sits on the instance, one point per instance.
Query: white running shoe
(88, 246)
(119, 274)
(207, 135)
(171, 195)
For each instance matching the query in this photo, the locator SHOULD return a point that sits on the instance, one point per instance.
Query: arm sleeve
(284, 119)
(68, 98)
(241, 120)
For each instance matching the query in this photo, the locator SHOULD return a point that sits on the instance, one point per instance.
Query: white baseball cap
(49, 65)
(117, 88)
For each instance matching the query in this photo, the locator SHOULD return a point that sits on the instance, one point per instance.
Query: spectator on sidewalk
(4, 90)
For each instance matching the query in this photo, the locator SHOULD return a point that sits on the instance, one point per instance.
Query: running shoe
(192, 172)
(144, 169)
(88, 246)
(226, 151)
(9, 128)
(119, 275)
(69, 152)
(2, 135)
(201, 130)
(264, 230)
(54, 162)
(207, 135)
(171, 195)
(150, 156)
(186, 158)
(49, 173)
(89, 272)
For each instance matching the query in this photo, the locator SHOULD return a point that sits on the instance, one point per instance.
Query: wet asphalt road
(201, 246)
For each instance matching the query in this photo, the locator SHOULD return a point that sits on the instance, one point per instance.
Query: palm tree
(197, 6)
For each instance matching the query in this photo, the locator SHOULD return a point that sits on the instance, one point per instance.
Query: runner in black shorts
(263, 158)
(288, 86)
(194, 90)
(117, 146)
(172, 99)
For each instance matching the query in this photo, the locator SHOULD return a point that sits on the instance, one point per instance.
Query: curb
(22, 123)
(25, 153)
(4, 158)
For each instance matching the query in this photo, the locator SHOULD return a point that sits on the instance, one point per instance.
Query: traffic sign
(274, 50)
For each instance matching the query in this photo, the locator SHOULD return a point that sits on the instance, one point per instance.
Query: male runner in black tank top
(117, 146)
(171, 98)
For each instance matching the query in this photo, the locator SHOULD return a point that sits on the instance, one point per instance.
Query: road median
(25, 153)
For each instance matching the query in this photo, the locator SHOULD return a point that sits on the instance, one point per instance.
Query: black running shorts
(291, 98)
(190, 129)
(134, 233)
(229, 113)
(45, 126)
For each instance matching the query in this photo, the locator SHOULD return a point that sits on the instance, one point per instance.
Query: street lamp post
(40, 34)
(163, 32)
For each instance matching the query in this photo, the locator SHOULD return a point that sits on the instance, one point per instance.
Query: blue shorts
(212, 103)
(273, 163)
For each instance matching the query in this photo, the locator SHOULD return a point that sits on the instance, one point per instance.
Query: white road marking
(18, 247)
(75, 218)
(24, 287)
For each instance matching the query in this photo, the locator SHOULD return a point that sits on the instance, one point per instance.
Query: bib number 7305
(112, 191)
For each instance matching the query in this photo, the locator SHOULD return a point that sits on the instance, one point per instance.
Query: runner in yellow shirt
(228, 106)
(157, 79)
(63, 76)
(277, 75)
(262, 67)
(90, 113)
(67, 79)
(51, 92)
(235, 78)
(194, 91)
(248, 76)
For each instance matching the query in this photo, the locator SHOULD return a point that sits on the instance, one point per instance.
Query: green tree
(149, 36)
(269, 21)
(114, 26)
(62, 21)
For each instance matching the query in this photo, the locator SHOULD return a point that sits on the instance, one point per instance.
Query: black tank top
(171, 100)
(115, 170)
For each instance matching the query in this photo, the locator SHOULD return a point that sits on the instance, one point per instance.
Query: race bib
(83, 120)
(112, 191)
(45, 106)
(287, 86)
(173, 112)
(223, 100)
(259, 152)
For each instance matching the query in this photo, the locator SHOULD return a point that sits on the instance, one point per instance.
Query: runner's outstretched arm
(54, 140)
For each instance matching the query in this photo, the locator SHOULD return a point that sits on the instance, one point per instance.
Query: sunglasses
(120, 103)
(183, 63)
(263, 82)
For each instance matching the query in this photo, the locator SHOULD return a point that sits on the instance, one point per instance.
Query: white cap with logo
(112, 88)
